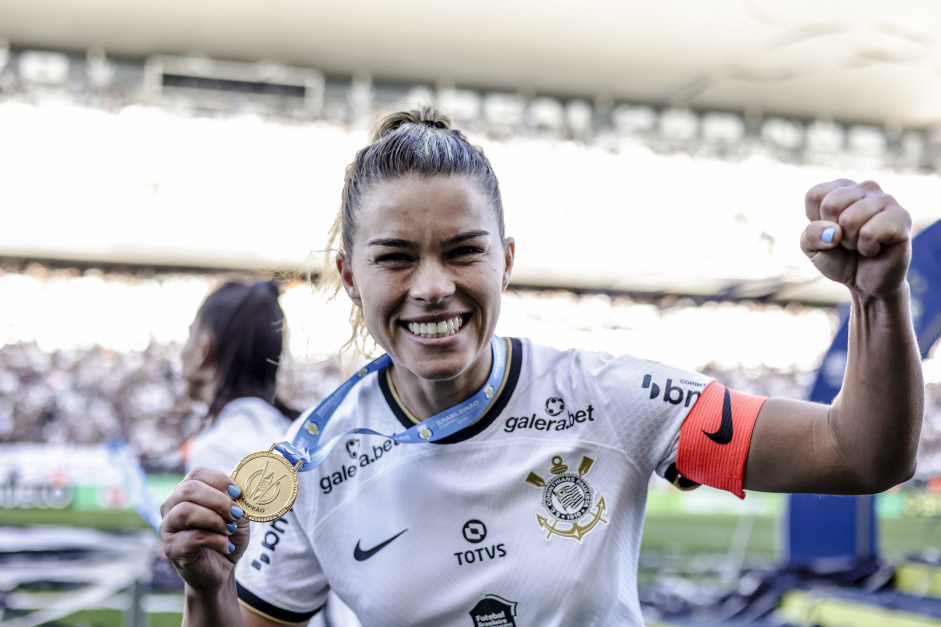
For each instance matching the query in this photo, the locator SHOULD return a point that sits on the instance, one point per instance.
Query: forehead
(409, 205)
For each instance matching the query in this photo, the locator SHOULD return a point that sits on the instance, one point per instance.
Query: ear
(509, 253)
(346, 277)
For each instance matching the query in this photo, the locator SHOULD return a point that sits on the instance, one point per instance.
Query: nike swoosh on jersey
(724, 434)
(361, 556)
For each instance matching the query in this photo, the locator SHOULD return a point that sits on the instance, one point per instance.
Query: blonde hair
(419, 142)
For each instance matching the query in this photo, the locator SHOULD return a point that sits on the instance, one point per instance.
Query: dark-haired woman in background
(230, 362)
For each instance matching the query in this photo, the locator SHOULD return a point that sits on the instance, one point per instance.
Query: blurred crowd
(94, 395)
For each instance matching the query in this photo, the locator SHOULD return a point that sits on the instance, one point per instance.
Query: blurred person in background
(230, 362)
(532, 513)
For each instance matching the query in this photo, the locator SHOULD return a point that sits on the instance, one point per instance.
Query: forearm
(876, 418)
(206, 609)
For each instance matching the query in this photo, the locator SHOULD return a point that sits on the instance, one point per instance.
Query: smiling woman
(528, 478)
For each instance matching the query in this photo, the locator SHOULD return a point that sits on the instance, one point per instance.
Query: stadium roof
(864, 61)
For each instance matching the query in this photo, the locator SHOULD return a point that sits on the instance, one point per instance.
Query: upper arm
(793, 449)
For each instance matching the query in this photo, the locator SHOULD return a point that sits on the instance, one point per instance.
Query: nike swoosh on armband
(361, 556)
(725, 431)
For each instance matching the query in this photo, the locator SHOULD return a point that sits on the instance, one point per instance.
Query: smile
(436, 329)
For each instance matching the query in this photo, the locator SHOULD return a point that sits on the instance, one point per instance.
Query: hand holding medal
(202, 532)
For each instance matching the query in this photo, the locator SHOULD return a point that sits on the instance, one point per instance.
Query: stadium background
(653, 161)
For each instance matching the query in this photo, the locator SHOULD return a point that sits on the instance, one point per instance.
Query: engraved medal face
(269, 485)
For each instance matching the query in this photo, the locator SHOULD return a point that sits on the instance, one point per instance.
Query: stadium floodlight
(361, 97)
(45, 68)
(419, 94)
(825, 137)
(547, 113)
(463, 104)
(913, 146)
(865, 140)
(782, 133)
(99, 68)
(631, 120)
(579, 115)
(723, 127)
(678, 124)
(213, 84)
(504, 110)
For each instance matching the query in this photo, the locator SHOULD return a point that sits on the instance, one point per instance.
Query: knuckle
(186, 512)
(188, 490)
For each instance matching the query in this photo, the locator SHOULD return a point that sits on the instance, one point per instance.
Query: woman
(532, 514)
(230, 362)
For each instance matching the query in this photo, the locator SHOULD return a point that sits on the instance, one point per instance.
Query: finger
(892, 225)
(854, 216)
(211, 478)
(205, 496)
(820, 235)
(839, 199)
(817, 193)
(185, 546)
(189, 515)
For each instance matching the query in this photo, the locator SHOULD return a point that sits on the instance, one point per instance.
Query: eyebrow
(404, 243)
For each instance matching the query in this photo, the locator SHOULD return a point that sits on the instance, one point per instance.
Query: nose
(432, 282)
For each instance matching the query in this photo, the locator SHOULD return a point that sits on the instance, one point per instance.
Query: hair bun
(426, 115)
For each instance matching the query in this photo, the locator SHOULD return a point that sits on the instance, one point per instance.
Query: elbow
(885, 476)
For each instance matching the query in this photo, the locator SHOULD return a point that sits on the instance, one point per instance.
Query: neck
(424, 398)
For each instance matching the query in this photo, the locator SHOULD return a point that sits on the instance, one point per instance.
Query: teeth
(436, 329)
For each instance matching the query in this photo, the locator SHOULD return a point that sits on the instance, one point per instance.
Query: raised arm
(867, 440)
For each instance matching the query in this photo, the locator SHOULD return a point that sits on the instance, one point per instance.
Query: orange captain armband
(715, 436)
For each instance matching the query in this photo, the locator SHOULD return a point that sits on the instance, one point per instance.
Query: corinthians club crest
(569, 499)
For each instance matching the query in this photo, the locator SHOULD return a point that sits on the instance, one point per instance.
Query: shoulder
(588, 363)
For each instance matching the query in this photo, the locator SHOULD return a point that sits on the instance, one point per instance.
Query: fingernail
(234, 491)
(231, 547)
(231, 527)
(828, 234)
(236, 511)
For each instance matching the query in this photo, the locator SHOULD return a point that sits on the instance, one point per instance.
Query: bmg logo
(672, 393)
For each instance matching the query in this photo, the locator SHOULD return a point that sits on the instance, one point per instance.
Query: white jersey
(532, 516)
(245, 425)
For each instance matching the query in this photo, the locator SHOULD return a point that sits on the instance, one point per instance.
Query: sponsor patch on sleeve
(715, 436)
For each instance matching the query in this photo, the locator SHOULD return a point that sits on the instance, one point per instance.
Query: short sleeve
(279, 577)
(647, 402)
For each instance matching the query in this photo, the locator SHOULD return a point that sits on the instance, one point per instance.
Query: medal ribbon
(306, 446)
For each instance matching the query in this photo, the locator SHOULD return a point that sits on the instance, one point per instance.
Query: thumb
(820, 235)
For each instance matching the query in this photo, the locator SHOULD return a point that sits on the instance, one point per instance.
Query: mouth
(431, 330)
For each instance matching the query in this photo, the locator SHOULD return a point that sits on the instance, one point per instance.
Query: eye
(465, 252)
(393, 259)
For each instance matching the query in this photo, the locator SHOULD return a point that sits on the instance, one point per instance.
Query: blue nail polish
(236, 511)
(231, 527)
(234, 491)
(231, 547)
(828, 234)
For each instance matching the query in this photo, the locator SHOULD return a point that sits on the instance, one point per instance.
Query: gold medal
(269, 485)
